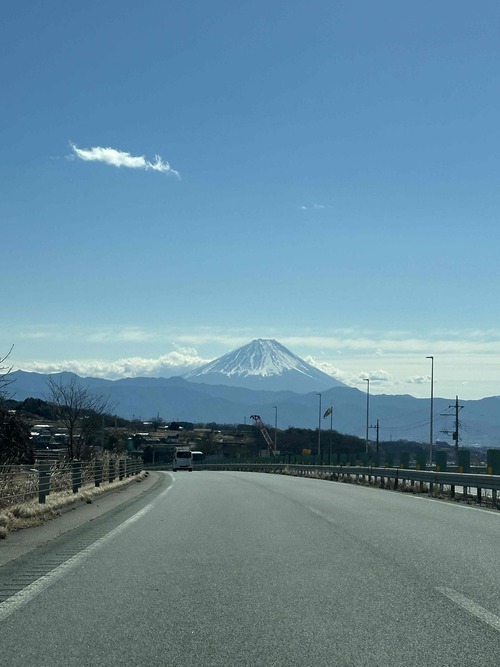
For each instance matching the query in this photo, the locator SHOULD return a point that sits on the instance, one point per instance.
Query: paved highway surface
(228, 568)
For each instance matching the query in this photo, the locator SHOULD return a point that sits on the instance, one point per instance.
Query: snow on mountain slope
(263, 364)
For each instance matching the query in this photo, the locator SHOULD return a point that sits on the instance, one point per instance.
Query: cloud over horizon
(117, 158)
(175, 363)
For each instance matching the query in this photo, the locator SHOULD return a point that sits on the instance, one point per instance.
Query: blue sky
(323, 173)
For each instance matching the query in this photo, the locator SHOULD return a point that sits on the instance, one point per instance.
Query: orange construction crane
(263, 430)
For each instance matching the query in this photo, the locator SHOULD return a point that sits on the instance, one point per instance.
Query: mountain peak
(266, 364)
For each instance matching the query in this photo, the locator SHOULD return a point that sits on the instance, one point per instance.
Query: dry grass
(26, 515)
(439, 491)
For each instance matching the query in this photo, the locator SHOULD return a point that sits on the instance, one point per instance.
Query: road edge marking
(28, 593)
(472, 607)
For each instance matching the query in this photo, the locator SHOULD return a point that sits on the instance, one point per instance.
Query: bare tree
(81, 412)
(5, 380)
(156, 422)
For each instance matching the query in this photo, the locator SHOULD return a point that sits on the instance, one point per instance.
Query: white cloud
(418, 379)
(117, 158)
(468, 358)
(399, 342)
(177, 362)
(327, 367)
(126, 334)
(355, 343)
(379, 377)
(314, 207)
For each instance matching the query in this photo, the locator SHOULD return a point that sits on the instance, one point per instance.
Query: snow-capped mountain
(263, 364)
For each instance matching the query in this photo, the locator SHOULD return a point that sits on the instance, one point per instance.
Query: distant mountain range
(259, 377)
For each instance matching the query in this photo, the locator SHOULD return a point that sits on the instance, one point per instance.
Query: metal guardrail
(21, 484)
(479, 481)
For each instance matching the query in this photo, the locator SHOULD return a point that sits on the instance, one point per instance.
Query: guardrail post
(421, 460)
(441, 461)
(463, 461)
(404, 460)
(493, 461)
(76, 475)
(111, 471)
(121, 469)
(97, 472)
(43, 482)
(478, 495)
(494, 498)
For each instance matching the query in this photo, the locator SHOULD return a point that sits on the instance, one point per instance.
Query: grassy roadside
(27, 515)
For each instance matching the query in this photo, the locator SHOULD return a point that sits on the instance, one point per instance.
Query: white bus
(183, 459)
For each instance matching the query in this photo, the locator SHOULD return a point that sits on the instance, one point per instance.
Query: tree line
(82, 414)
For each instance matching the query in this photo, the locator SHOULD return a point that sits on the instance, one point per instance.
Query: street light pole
(432, 409)
(367, 380)
(331, 434)
(319, 427)
(275, 427)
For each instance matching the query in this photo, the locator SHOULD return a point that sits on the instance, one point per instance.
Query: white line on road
(321, 514)
(466, 603)
(472, 607)
(446, 503)
(25, 595)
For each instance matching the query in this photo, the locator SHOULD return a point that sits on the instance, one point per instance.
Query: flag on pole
(327, 412)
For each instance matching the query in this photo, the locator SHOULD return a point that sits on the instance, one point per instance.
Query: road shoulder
(23, 541)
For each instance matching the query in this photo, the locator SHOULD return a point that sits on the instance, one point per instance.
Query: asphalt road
(227, 568)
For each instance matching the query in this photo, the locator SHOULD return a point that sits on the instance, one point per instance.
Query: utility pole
(455, 433)
(331, 433)
(377, 427)
(319, 427)
(367, 380)
(275, 427)
(432, 410)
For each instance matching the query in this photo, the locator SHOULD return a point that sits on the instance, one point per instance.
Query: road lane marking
(321, 514)
(472, 607)
(27, 594)
(449, 503)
